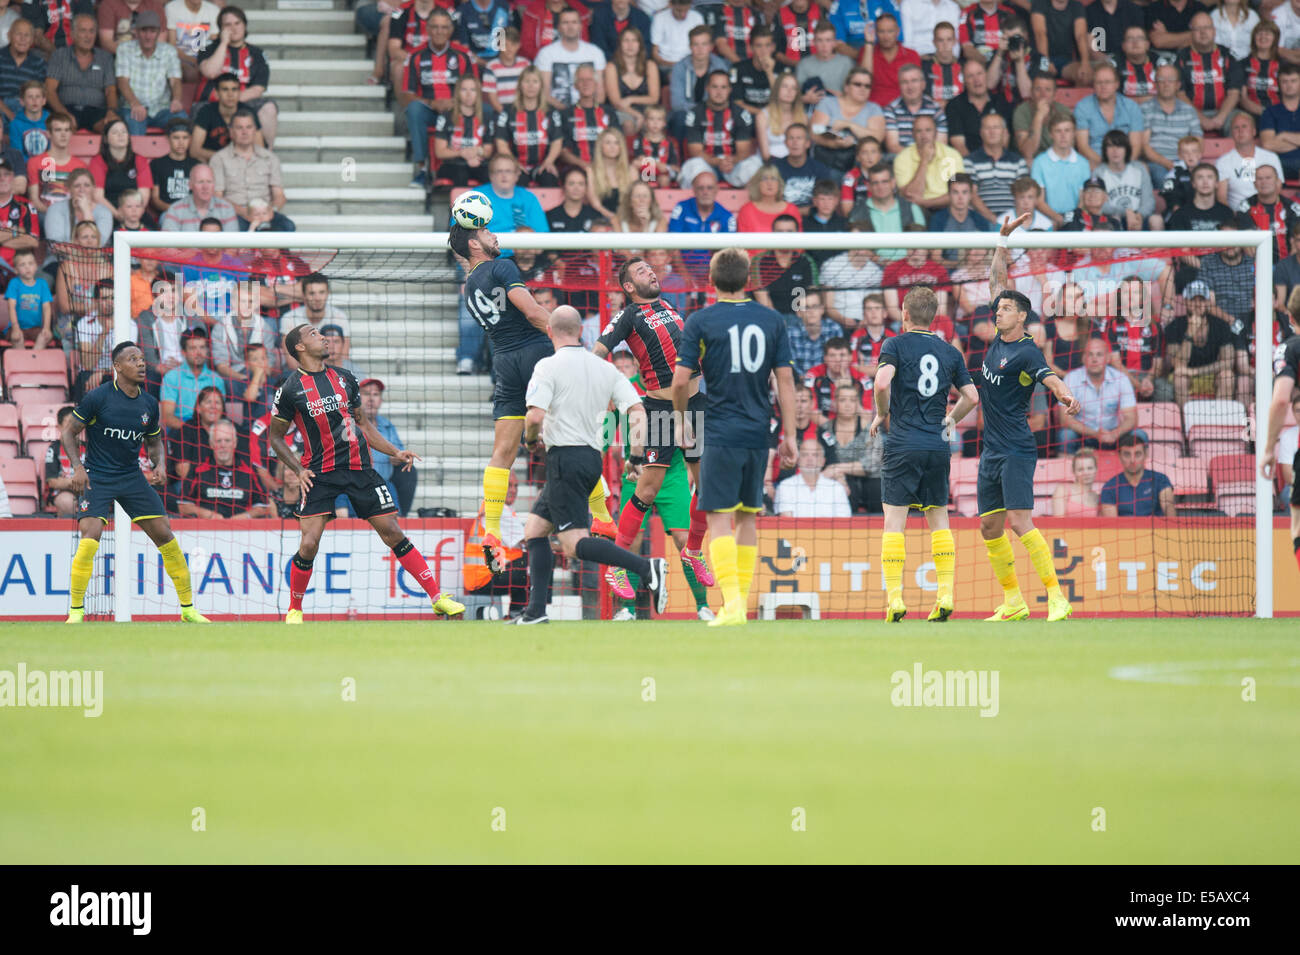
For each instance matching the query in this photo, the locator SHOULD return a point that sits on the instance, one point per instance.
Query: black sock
(1295, 544)
(301, 562)
(540, 564)
(601, 551)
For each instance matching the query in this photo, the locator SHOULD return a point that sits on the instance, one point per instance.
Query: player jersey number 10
(483, 309)
(748, 348)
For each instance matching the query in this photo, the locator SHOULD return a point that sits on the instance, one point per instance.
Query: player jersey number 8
(748, 348)
(482, 308)
(928, 382)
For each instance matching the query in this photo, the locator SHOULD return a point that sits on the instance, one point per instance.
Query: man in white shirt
(569, 392)
(670, 33)
(1287, 18)
(559, 62)
(853, 275)
(1237, 167)
(316, 311)
(190, 24)
(920, 17)
(810, 493)
(1107, 404)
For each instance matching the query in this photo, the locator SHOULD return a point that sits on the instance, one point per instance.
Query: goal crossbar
(124, 243)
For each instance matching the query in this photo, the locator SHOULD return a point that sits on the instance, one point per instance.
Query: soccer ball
(472, 211)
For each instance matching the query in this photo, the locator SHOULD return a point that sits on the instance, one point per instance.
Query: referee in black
(570, 393)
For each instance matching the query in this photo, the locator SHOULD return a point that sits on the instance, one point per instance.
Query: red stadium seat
(35, 369)
(1107, 466)
(1164, 457)
(1233, 474)
(1069, 96)
(1235, 505)
(1162, 421)
(1190, 477)
(40, 396)
(40, 422)
(1052, 471)
(1214, 147)
(11, 438)
(36, 451)
(1210, 448)
(150, 147)
(24, 490)
(1214, 413)
(85, 145)
(963, 475)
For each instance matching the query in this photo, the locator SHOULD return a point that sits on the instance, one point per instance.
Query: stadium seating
(1162, 421)
(46, 370)
(40, 422)
(1191, 479)
(10, 435)
(1215, 146)
(24, 492)
(1069, 96)
(1233, 474)
(729, 199)
(86, 145)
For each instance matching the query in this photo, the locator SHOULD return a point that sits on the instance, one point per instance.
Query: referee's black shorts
(512, 371)
(571, 473)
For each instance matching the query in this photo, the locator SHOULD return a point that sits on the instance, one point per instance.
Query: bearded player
(1012, 367)
(324, 404)
(652, 330)
(516, 326)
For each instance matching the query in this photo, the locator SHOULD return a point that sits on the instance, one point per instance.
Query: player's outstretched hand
(407, 458)
(1070, 403)
(789, 454)
(79, 481)
(155, 477)
(1014, 224)
(1270, 460)
(876, 423)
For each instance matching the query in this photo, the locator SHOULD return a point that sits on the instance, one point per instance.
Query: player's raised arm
(73, 426)
(275, 438)
(998, 279)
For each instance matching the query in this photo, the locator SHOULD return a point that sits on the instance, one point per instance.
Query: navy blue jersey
(487, 296)
(481, 30)
(925, 368)
(1006, 382)
(736, 344)
(116, 426)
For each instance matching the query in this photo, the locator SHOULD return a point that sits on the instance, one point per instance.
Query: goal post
(129, 244)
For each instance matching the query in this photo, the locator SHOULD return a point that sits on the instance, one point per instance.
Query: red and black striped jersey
(652, 330)
(1137, 79)
(866, 347)
(434, 75)
(17, 214)
(1257, 79)
(664, 151)
(246, 62)
(53, 18)
(1205, 76)
(942, 80)
(733, 24)
(794, 31)
(226, 490)
(718, 130)
(529, 133)
(1080, 220)
(460, 131)
(321, 405)
(1277, 217)
(579, 126)
(259, 443)
(1137, 341)
(982, 28)
(854, 185)
(822, 386)
(409, 27)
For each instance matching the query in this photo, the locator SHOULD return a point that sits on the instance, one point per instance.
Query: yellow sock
(893, 555)
(746, 559)
(83, 565)
(944, 551)
(596, 502)
(177, 570)
(496, 481)
(1041, 555)
(1004, 567)
(723, 551)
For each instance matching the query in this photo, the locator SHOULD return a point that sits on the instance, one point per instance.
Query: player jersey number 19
(748, 348)
(482, 308)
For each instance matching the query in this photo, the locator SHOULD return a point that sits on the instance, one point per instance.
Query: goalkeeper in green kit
(672, 504)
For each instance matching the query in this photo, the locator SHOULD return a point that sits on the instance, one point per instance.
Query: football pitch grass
(478, 742)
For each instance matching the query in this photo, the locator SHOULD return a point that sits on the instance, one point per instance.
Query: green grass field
(453, 720)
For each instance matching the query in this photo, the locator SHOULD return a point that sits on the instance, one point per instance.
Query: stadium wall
(240, 568)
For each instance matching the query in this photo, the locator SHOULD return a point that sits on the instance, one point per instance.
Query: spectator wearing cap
(79, 80)
(1136, 491)
(186, 215)
(149, 77)
(1061, 171)
(18, 64)
(333, 336)
(1089, 215)
(116, 18)
(1104, 110)
(171, 173)
(1200, 349)
(402, 482)
(1107, 404)
(248, 176)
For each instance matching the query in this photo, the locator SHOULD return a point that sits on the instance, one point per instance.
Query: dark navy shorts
(731, 479)
(513, 370)
(915, 478)
(1005, 482)
(1295, 485)
(136, 495)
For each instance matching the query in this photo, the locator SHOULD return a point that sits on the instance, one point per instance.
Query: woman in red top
(117, 168)
(766, 202)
